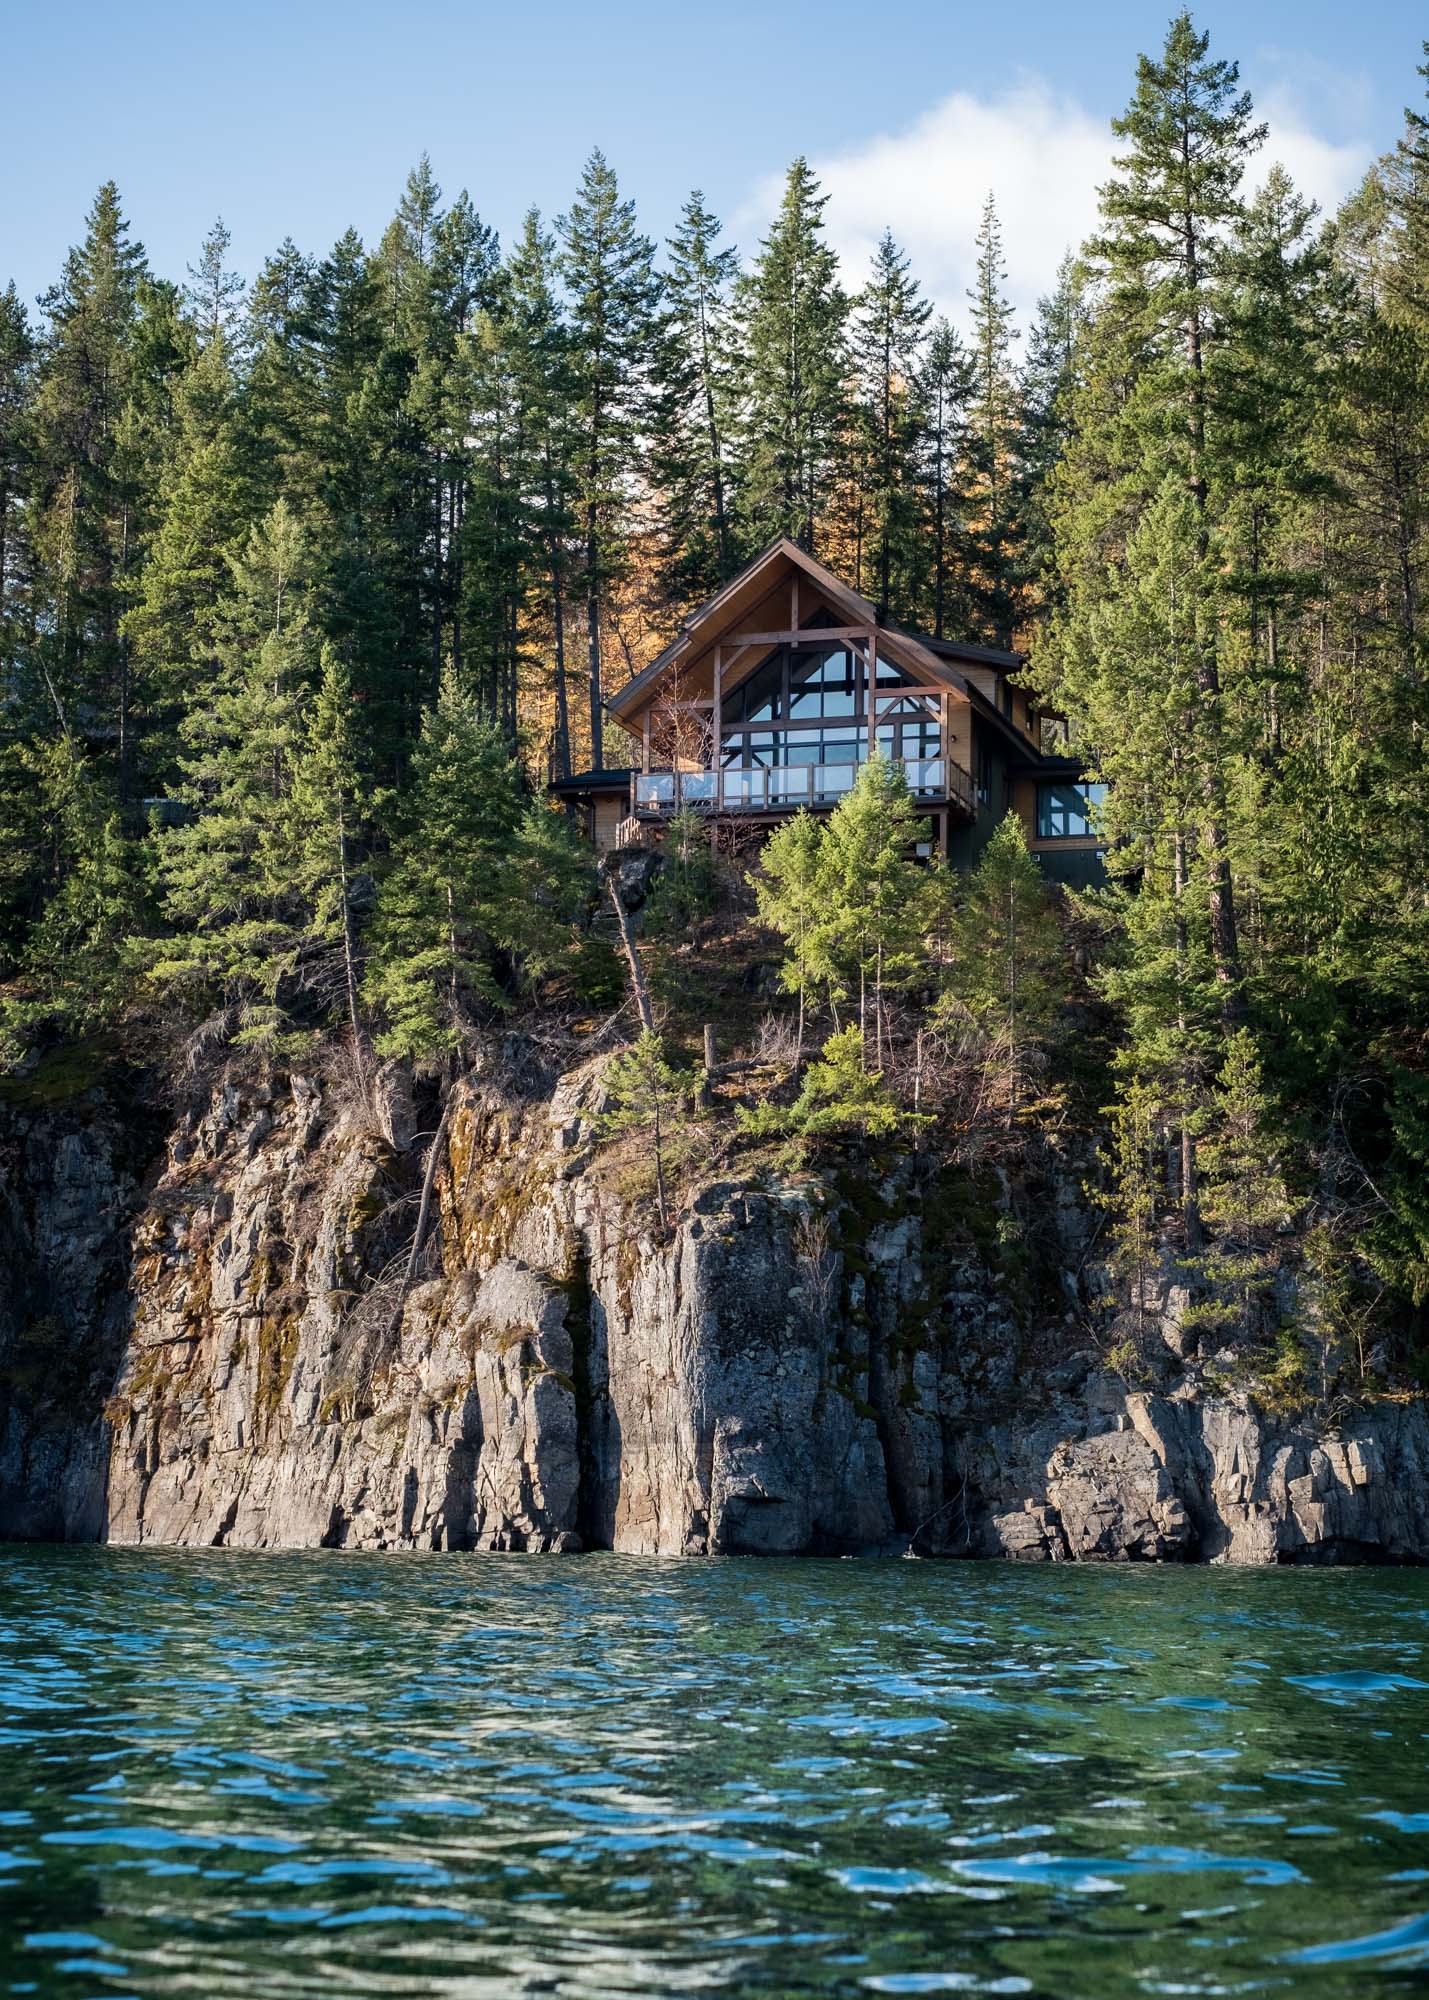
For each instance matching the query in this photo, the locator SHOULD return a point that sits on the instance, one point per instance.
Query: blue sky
(301, 118)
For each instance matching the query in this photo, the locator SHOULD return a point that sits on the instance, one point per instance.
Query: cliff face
(229, 1358)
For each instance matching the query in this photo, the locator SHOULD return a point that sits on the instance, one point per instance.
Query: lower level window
(1064, 812)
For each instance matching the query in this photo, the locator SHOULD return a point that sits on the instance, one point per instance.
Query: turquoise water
(237, 1774)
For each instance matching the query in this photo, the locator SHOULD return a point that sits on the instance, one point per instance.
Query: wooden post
(870, 674)
(707, 1087)
(717, 744)
(645, 739)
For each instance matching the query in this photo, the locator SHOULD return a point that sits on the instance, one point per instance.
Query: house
(771, 695)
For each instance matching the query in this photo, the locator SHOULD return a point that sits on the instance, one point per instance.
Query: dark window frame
(1064, 808)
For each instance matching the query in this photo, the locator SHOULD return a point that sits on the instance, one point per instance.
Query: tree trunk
(424, 1209)
(639, 990)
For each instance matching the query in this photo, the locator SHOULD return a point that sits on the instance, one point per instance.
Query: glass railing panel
(789, 786)
(697, 788)
(654, 788)
(742, 790)
(834, 781)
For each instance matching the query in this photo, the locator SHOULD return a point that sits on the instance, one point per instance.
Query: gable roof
(935, 657)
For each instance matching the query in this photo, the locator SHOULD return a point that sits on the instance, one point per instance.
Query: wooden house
(771, 695)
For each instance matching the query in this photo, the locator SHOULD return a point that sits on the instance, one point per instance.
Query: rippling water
(236, 1774)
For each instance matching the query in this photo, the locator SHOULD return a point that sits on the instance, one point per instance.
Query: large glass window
(1064, 812)
(804, 683)
(774, 749)
(822, 684)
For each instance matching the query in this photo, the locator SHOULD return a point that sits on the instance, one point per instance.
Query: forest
(309, 585)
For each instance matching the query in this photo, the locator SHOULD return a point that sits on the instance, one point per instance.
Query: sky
(299, 119)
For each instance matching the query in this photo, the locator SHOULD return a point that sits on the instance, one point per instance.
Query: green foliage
(880, 904)
(887, 338)
(996, 422)
(855, 908)
(1242, 1193)
(1008, 974)
(608, 267)
(794, 312)
(950, 598)
(692, 463)
(686, 888)
(449, 905)
(647, 1094)
(73, 974)
(839, 1098)
(790, 890)
(234, 915)
(1130, 1194)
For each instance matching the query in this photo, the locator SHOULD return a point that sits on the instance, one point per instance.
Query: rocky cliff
(224, 1349)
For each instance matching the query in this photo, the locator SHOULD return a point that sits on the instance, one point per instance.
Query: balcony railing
(787, 787)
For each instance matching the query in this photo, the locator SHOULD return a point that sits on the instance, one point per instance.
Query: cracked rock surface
(215, 1351)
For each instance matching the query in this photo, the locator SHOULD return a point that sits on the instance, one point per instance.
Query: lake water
(236, 1774)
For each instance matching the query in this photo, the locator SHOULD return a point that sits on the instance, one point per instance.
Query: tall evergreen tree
(17, 356)
(609, 274)
(1008, 975)
(695, 414)
(542, 372)
(995, 420)
(946, 388)
(214, 292)
(794, 312)
(879, 904)
(83, 508)
(447, 907)
(888, 325)
(236, 920)
(1044, 396)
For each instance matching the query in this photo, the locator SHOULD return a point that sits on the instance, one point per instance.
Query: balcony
(785, 788)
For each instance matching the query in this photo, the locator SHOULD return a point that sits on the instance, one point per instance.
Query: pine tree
(791, 900)
(1407, 192)
(1167, 211)
(235, 918)
(1243, 1195)
(1008, 977)
(608, 269)
(214, 293)
(203, 508)
(840, 1097)
(495, 542)
(646, 1093)
(888, 325)
(995, 423)
(1044, 397)
(794, 312)
(880, 903)
(946, 388)
(1164, 981)
(446, 910)
(82, 508)
(73, 974)
(552, 887)
(17, 356)
(540, 363)
(694, 412)
(1130, 1194)
(329, 803)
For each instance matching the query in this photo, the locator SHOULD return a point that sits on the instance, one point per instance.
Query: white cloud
(1041, 154)
(1323, 169)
